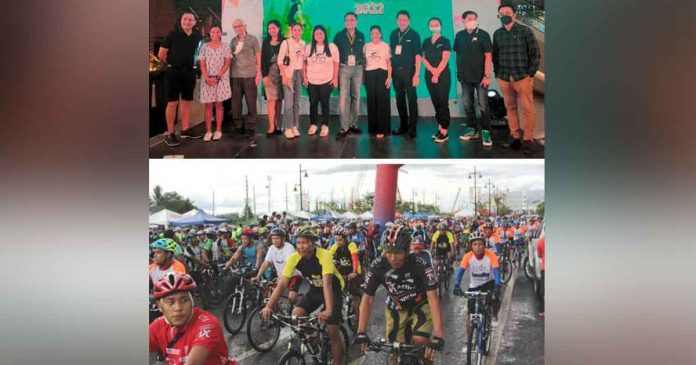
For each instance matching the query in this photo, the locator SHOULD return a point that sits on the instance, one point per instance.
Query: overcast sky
(198, 178)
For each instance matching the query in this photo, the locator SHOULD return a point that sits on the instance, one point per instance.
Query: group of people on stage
(286, 64)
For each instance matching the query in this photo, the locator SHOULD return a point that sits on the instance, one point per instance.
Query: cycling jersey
(346, 258)
(190, 252)
(426, 257)
(278, 257)
(249, 254)
(212, 247)
(313, 269)
(202, 330)
(156, 272)
(481, 270)
(358, 238)
(443, 243)
(406, 286)
(493, 241)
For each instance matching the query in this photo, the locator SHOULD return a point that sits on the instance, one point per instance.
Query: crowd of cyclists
(193, 269)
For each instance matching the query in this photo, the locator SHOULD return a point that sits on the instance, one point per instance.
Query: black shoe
(278, 132)
(399, 131)
(270, 134)
(437, 135)
(512, 142)
(354, 129)
(189, 133)
(341, 134)
(412, 134)
(171, 140)
(527, 147)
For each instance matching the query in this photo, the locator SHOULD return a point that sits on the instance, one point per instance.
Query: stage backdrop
(329, 13)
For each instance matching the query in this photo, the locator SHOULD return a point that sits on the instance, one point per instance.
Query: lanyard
(401, 36)
(351, 40)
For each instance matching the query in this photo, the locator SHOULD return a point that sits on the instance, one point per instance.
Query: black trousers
(244, 87)
(403, 87)
(439, 94)
(378, 105)
(319, 94)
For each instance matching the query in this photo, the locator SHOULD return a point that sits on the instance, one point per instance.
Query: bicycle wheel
(262, 335)
(505, 270)
(487, 337)
(234, 313)
(528, 269)
(292, 357)
(471, 345)
(351, 316)
(211, 294)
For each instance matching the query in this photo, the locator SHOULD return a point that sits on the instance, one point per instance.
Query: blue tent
(198, 219)
(322, 218)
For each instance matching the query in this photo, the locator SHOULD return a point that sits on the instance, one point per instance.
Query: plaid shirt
(515, 53)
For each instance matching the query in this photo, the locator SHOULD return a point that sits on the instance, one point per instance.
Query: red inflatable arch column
(385, 193)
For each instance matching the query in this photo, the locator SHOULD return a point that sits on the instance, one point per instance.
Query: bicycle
(505, 264)
(244, 298)
(444, 274)
(349, 310)
(406, 354)
(263, 335)
(478, 343)
(309, 337)
(212, 286)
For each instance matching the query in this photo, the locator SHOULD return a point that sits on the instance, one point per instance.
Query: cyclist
(347, 262)
(251, 250)
(325, 287)
(485, 274)
(412, 296)
(418, 249)
(442, 245)
(212, 250)
(193, 251)
(185, 334)
(420, 231)
(277, 256)
(491, 237)
(164, 262)
(357, 236)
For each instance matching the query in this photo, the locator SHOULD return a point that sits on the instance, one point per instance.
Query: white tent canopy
(164, 217)
(366, 216)
(348, 215)
(190, 213)
(299, 215)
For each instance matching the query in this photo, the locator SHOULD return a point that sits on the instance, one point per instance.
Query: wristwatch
(487, 76)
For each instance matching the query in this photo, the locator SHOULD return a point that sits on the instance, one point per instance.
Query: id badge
(351, 60)
(397, 51)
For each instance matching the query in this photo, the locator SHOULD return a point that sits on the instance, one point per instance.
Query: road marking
(502, 318)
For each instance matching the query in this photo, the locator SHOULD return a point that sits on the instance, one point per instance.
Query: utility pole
(213, 202)
(286, 196)
(269, 193)
(254, 189)
(475, 174)
(490, 187)
(246, 199)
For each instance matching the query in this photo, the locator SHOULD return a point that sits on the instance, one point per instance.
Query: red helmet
(248, 231)
(173, 282)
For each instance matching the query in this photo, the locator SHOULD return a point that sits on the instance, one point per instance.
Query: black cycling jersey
(406, 286)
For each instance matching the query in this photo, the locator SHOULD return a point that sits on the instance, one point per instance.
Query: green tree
(171, 200)
(541, 208)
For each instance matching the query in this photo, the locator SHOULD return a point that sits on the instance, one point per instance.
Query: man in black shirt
(412, 295)
(350, 42)
(516, 59)
(474, 63)
(406, 53)
(177, 51)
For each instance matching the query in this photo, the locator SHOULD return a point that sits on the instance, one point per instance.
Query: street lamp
(269, 192)
(300, 184)
(475, 174)
(490, 186)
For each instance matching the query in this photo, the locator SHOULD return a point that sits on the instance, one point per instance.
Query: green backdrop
(329, 13)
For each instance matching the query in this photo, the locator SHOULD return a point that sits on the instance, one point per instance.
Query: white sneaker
(295, 132)
(207, 137)
(289, 134)
(217, 135)
(324, 131)
(312, 130)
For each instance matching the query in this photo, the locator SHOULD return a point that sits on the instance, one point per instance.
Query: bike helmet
(477, 236)
(278, 232)
(488, 225)
(306, 232)
(339, 231)
(223, 230)
(398, 239)
(442, 226)
(247, 231)
(352, 225)
(171, 283)
(417, 243)
(166, 244)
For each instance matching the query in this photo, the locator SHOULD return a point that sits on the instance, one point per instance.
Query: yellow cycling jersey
(344, 257)
(313, 269)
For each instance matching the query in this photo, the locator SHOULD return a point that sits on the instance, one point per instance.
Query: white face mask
(471, 25)
(436, 29)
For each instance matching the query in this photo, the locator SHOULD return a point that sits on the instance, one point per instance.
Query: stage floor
(353, 146)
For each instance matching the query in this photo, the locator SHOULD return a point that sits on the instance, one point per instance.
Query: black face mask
(505, 19)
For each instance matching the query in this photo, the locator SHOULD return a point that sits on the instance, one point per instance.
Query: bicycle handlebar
(394, 347)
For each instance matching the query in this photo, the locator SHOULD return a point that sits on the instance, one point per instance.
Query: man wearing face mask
(474, 63)
(516, 59)
(406, 53)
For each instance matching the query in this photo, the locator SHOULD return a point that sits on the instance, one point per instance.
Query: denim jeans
(482, 93)
(291, 114)
(350, 79)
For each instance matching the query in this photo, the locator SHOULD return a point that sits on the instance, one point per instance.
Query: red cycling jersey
(202, 330)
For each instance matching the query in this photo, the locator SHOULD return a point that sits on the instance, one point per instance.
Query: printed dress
(215, 59)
